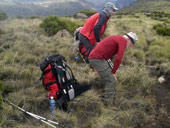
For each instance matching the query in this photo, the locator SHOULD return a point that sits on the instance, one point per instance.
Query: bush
(3, 16)
(33, 17)
(163, 30)
(19, 17)
(1, 86)
(52, 24)
(87, 12)
(158, 16)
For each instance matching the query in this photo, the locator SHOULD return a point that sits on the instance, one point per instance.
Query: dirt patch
(162, 106)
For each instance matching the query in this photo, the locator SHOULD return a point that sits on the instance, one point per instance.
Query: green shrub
(19, 17)
(122, 13)
(1, 86)
(163, 30)
(52, 24)
(87, 12)
(165, 20)
(3, 16)
(33, 17)
(156, 15)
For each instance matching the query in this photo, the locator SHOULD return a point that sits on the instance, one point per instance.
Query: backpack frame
(63, 76)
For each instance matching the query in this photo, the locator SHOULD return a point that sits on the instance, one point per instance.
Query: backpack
(58, 79)
(85, 47)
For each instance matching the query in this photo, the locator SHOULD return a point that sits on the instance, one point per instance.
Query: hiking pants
(104, 70)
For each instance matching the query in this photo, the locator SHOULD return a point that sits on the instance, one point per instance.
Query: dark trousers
(102, 67)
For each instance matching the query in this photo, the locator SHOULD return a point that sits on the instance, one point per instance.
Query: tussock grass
(88, 105)
(136, 81)
(24, 46)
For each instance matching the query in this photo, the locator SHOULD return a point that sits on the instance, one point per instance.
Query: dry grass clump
(135, 80)
(87, 108)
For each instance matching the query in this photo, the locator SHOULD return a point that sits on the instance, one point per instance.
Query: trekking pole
(42, 119)
(45, 119)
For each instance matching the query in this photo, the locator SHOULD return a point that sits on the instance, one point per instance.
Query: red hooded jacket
(88, 28)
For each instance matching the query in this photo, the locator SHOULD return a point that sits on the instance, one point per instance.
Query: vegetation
(1, 90)
(148, 5)
(52, 24)
(87, 12)
(1, 31)
(162, 29)
(24, 45)
(3, 15)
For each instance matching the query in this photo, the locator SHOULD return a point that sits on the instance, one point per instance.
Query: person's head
(109, 9)
(131, 39)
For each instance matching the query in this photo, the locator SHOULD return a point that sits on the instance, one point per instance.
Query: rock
(81, 16)
(161, 79)
(63, 33)
(74, 47)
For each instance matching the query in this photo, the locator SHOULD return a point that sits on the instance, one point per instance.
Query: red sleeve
(119, 57)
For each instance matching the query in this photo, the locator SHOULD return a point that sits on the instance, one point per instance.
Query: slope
(151, 5)
(43, 8)
(24, 45)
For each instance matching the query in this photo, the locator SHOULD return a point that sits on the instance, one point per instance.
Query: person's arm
(99, 25)
(115, 77)
(118, 57)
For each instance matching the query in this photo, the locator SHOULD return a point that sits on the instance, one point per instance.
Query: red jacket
(109, 47)
(88, 28)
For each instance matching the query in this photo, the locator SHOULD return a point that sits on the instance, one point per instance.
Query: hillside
(142, 102)
(24, 45)
(151, 5)
(15, 8)
(119, 3)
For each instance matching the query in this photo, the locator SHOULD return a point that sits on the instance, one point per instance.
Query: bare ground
(161, 94)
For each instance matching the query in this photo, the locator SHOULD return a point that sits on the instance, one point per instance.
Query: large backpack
(57, 77)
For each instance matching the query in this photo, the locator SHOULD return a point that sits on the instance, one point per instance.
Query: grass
(24, 45)
(148, 5)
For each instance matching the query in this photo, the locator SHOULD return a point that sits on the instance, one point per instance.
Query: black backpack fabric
(56, 73)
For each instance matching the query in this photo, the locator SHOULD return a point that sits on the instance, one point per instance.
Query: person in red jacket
(103, 51)
(94, 28)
